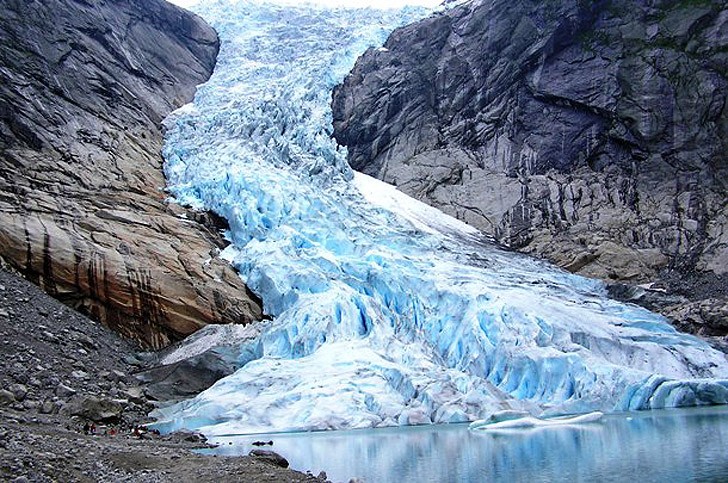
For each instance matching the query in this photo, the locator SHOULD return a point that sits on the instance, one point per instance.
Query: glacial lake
(676, 445)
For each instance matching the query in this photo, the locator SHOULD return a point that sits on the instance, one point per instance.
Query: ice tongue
(384, 311)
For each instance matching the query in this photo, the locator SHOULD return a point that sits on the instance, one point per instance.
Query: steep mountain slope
(591, 133)
(84, 87)
(61, 370)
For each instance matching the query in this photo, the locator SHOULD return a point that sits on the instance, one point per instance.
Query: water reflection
(675, 445)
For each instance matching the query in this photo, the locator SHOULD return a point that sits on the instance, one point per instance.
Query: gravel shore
(63, 374)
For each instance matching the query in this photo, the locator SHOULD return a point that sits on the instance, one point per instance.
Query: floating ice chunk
(527, 422)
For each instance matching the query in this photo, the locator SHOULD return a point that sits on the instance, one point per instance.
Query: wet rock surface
(593, 134)
(70, 400)
(186, 378)
(84, 87)
(694, 302)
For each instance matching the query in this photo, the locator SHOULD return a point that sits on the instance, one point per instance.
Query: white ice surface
(423, 217)
(528, 422)
(385, 311)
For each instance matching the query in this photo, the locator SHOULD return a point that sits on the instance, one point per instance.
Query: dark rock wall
(591, 133)
(84, 86)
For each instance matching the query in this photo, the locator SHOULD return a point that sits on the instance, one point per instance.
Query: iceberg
(383, 311)
(530, 422)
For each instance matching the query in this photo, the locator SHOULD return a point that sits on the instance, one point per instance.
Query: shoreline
(62, 370)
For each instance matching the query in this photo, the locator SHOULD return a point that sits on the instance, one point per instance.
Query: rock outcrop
(84, 87)
(594, 134)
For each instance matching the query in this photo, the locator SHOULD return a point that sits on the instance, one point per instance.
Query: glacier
(383, 311)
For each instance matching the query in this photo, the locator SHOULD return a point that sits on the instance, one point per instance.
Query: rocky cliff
(591, 133)
(84, 86)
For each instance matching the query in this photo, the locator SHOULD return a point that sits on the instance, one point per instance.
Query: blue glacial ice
(384, 311)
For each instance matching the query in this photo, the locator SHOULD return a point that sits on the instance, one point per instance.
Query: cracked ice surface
(384, 311)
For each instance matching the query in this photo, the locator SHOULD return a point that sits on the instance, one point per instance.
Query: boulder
(6, 397)
(270, 457)
(184, 435)
(19, 391)
(188, 377)
(95, 409)
(48, 407)
(84, 87)
(64, 391)
(134, 395)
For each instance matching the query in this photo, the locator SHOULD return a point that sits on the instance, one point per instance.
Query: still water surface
(653, 446)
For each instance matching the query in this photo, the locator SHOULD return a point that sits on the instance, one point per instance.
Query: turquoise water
(651, 446)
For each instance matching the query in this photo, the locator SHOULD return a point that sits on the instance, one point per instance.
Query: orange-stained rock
(84, 87)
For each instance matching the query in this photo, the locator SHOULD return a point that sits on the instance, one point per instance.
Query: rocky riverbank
(63, 371)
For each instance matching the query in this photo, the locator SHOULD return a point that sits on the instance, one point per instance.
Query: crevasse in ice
(384, 311)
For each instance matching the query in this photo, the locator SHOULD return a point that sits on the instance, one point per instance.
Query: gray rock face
(185, 378)
(594, 134)
(95, 409)
(84, 86)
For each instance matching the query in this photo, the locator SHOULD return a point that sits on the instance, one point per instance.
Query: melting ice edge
(384, 311)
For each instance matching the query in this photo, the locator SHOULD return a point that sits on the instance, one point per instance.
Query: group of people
(137, 431)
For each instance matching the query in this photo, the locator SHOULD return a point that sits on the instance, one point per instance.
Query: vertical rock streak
(84, 87)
